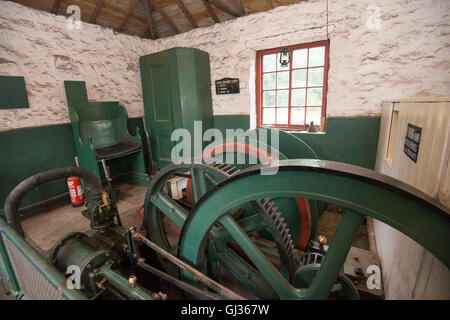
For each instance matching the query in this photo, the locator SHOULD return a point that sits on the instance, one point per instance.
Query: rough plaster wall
(40, 47)
(408, 56)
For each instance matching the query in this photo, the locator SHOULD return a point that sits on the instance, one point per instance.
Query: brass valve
(106, 202)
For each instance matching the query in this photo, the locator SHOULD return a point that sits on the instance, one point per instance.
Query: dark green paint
(75, 91)
(349, 140)
(176, 88)
(13, 93)
(28, 151)
(97, 125)
(224, 122)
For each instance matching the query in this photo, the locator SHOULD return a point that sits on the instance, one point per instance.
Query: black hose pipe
(15, 196)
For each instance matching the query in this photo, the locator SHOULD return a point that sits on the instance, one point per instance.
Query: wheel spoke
(248, 225)
(245, 273)
(170, 208)
(198, 183)
(336, 254)
(270, 273)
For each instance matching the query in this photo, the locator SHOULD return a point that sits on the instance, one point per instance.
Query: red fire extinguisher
(75, 191)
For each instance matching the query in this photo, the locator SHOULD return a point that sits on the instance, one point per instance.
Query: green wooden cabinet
(176, 87)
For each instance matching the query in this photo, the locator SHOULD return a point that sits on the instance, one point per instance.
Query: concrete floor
(329, 221)
(43, 230)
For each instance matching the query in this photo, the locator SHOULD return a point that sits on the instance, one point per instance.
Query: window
(291, 96)
(392, 135)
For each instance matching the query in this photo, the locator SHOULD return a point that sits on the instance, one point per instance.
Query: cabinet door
(158, 105)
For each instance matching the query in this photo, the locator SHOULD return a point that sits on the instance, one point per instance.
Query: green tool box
(176, 87)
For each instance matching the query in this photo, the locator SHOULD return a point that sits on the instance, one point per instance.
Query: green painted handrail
(53, 276)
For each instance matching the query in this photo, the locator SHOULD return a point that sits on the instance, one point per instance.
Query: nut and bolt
(132, 281)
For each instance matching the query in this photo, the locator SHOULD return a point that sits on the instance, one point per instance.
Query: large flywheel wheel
(222, 253)
(263, 146)
(359, 191)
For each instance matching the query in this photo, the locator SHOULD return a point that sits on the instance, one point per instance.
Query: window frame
(259, 84)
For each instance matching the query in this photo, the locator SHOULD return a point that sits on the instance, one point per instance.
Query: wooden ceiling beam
(56, 6)
(232, 7)
(98, 8)
(165, 16)
(187, 14)
(211, 11)
(127, 14)
(148, 15)
(242, 6)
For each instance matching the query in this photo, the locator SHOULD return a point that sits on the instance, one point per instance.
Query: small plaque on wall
(227, 86)
(412, 141)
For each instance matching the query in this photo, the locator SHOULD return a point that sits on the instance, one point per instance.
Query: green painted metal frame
(360, 191)
(204, 179)
(135, 172)
(53, 276)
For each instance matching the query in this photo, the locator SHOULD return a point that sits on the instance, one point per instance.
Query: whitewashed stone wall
(407, 56)
(40, 47)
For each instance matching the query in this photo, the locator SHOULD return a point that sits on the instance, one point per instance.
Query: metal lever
(106, 170)
(210, 283)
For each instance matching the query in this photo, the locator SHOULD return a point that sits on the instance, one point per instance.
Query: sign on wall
(412, 141)
(227, 86)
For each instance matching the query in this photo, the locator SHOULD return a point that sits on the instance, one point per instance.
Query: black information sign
(412, 141)
(227, 86)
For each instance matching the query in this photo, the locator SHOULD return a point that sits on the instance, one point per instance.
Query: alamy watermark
(374, 280)
(74, 20)
(238, 148)
(373, 21)
(74, 279)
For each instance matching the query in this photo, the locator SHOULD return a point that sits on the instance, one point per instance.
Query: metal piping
(123, 285)
(12, 203)
(182, 285)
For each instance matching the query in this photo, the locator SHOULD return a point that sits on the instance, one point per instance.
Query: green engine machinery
(240, 234)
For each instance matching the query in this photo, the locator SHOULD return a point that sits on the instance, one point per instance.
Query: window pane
(316, 56)
(269, 99)
(298, 116)
(282, 115)
(269, 81)
(313, 114)
(299, 58)
(280, 67)
(314, 97)
(282, 98)
(315, 77)
(269, 62)
(298, 97)
(299, 78)
(283, 80)
(268, 115)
